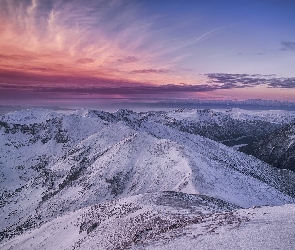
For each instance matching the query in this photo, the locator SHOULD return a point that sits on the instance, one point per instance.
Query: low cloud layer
(288, 45)
(246, 80)
(148, 71)
(124, 88)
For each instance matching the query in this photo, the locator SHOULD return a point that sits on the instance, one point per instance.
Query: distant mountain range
(91, 179)
(247, 104)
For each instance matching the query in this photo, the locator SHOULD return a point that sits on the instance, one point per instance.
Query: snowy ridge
(65, 163)
(121, 223)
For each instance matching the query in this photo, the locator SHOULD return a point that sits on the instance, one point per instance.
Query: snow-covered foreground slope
(122, 223)
(266, 228)
(54, 166)
(168, 220)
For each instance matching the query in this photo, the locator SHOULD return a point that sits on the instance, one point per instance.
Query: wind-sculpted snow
(58, 165)
(165, 220)
(126, 222)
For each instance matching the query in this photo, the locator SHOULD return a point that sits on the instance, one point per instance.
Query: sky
(146, 50)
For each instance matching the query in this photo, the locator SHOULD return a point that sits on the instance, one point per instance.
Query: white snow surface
(273, 116)
(57, 166)
(164, 221)
(263, 228)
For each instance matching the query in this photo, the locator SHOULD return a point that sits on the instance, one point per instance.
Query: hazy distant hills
(252, 104)
(92, 174)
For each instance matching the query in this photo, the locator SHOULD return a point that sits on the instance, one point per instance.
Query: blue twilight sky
(255, 37)
(147, 49)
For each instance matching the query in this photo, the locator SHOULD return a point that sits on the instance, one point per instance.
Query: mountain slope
(231, 127)
(122, 223)
(168, 220)
(55, 163)
(277, 148)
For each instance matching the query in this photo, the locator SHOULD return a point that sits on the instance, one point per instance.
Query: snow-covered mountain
(55, 167)
(246, 104)
(231, 127)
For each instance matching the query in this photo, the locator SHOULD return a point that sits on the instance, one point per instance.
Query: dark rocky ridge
(276, 148)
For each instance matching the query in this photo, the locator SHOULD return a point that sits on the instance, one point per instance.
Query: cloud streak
(149, 71)
(71, 85)
(107, 48)
(288, 45)
(247, 80)
(102, 39)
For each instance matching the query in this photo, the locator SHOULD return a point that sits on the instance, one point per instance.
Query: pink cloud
(99, 48)
(85, 60)
(148, 71)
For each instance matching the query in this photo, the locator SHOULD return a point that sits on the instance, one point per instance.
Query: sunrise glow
(147, 49)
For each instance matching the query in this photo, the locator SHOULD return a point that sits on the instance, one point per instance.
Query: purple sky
(146, 49)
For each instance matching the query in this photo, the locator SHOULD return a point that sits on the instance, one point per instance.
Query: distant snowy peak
(38, 115)
(29, 116)
(273, 116)
(235, 103)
